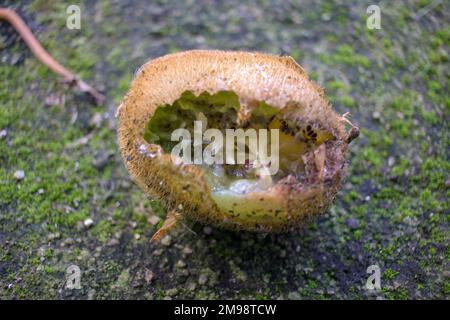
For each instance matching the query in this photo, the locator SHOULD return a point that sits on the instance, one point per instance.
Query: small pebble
(207, 230)
(376, 115)
(3, 133)
(326, 17)
(101, 161)
(153, 220)
(202, 279)
(172, 292)
(91, 294)
(68, 242)
(183, 273)
(112, 242)
(53, 236)
(191, 286)
(88, 222)
(391, 161)
(166, 241)
(52, 100)
(96, 120)
(148, 276)
(331, 292)
(19, 174)
(294, 295)
(181, 264)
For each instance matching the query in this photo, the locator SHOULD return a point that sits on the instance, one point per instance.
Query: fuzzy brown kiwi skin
(278, 81)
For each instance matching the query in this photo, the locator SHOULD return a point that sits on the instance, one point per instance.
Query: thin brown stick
(42, 55)
(171, 221)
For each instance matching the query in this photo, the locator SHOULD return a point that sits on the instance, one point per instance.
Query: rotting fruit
(234, 90)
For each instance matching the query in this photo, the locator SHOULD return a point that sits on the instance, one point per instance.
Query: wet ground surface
(74, 203)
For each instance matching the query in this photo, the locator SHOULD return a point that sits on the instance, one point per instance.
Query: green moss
(312, 284)
(358, 234)
(295, 54)
(390, 274)
(337, 85)
(446, 287)
(372, 157)
(345, 55)
(261, 296)
(102, 230)
(399, 294)
(347, 101)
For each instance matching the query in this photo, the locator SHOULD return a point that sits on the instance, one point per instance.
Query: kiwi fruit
(234, 90)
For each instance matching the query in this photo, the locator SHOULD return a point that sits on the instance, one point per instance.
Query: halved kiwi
(233, 90)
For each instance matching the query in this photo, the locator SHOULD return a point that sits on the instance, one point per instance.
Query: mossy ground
(392, 211)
